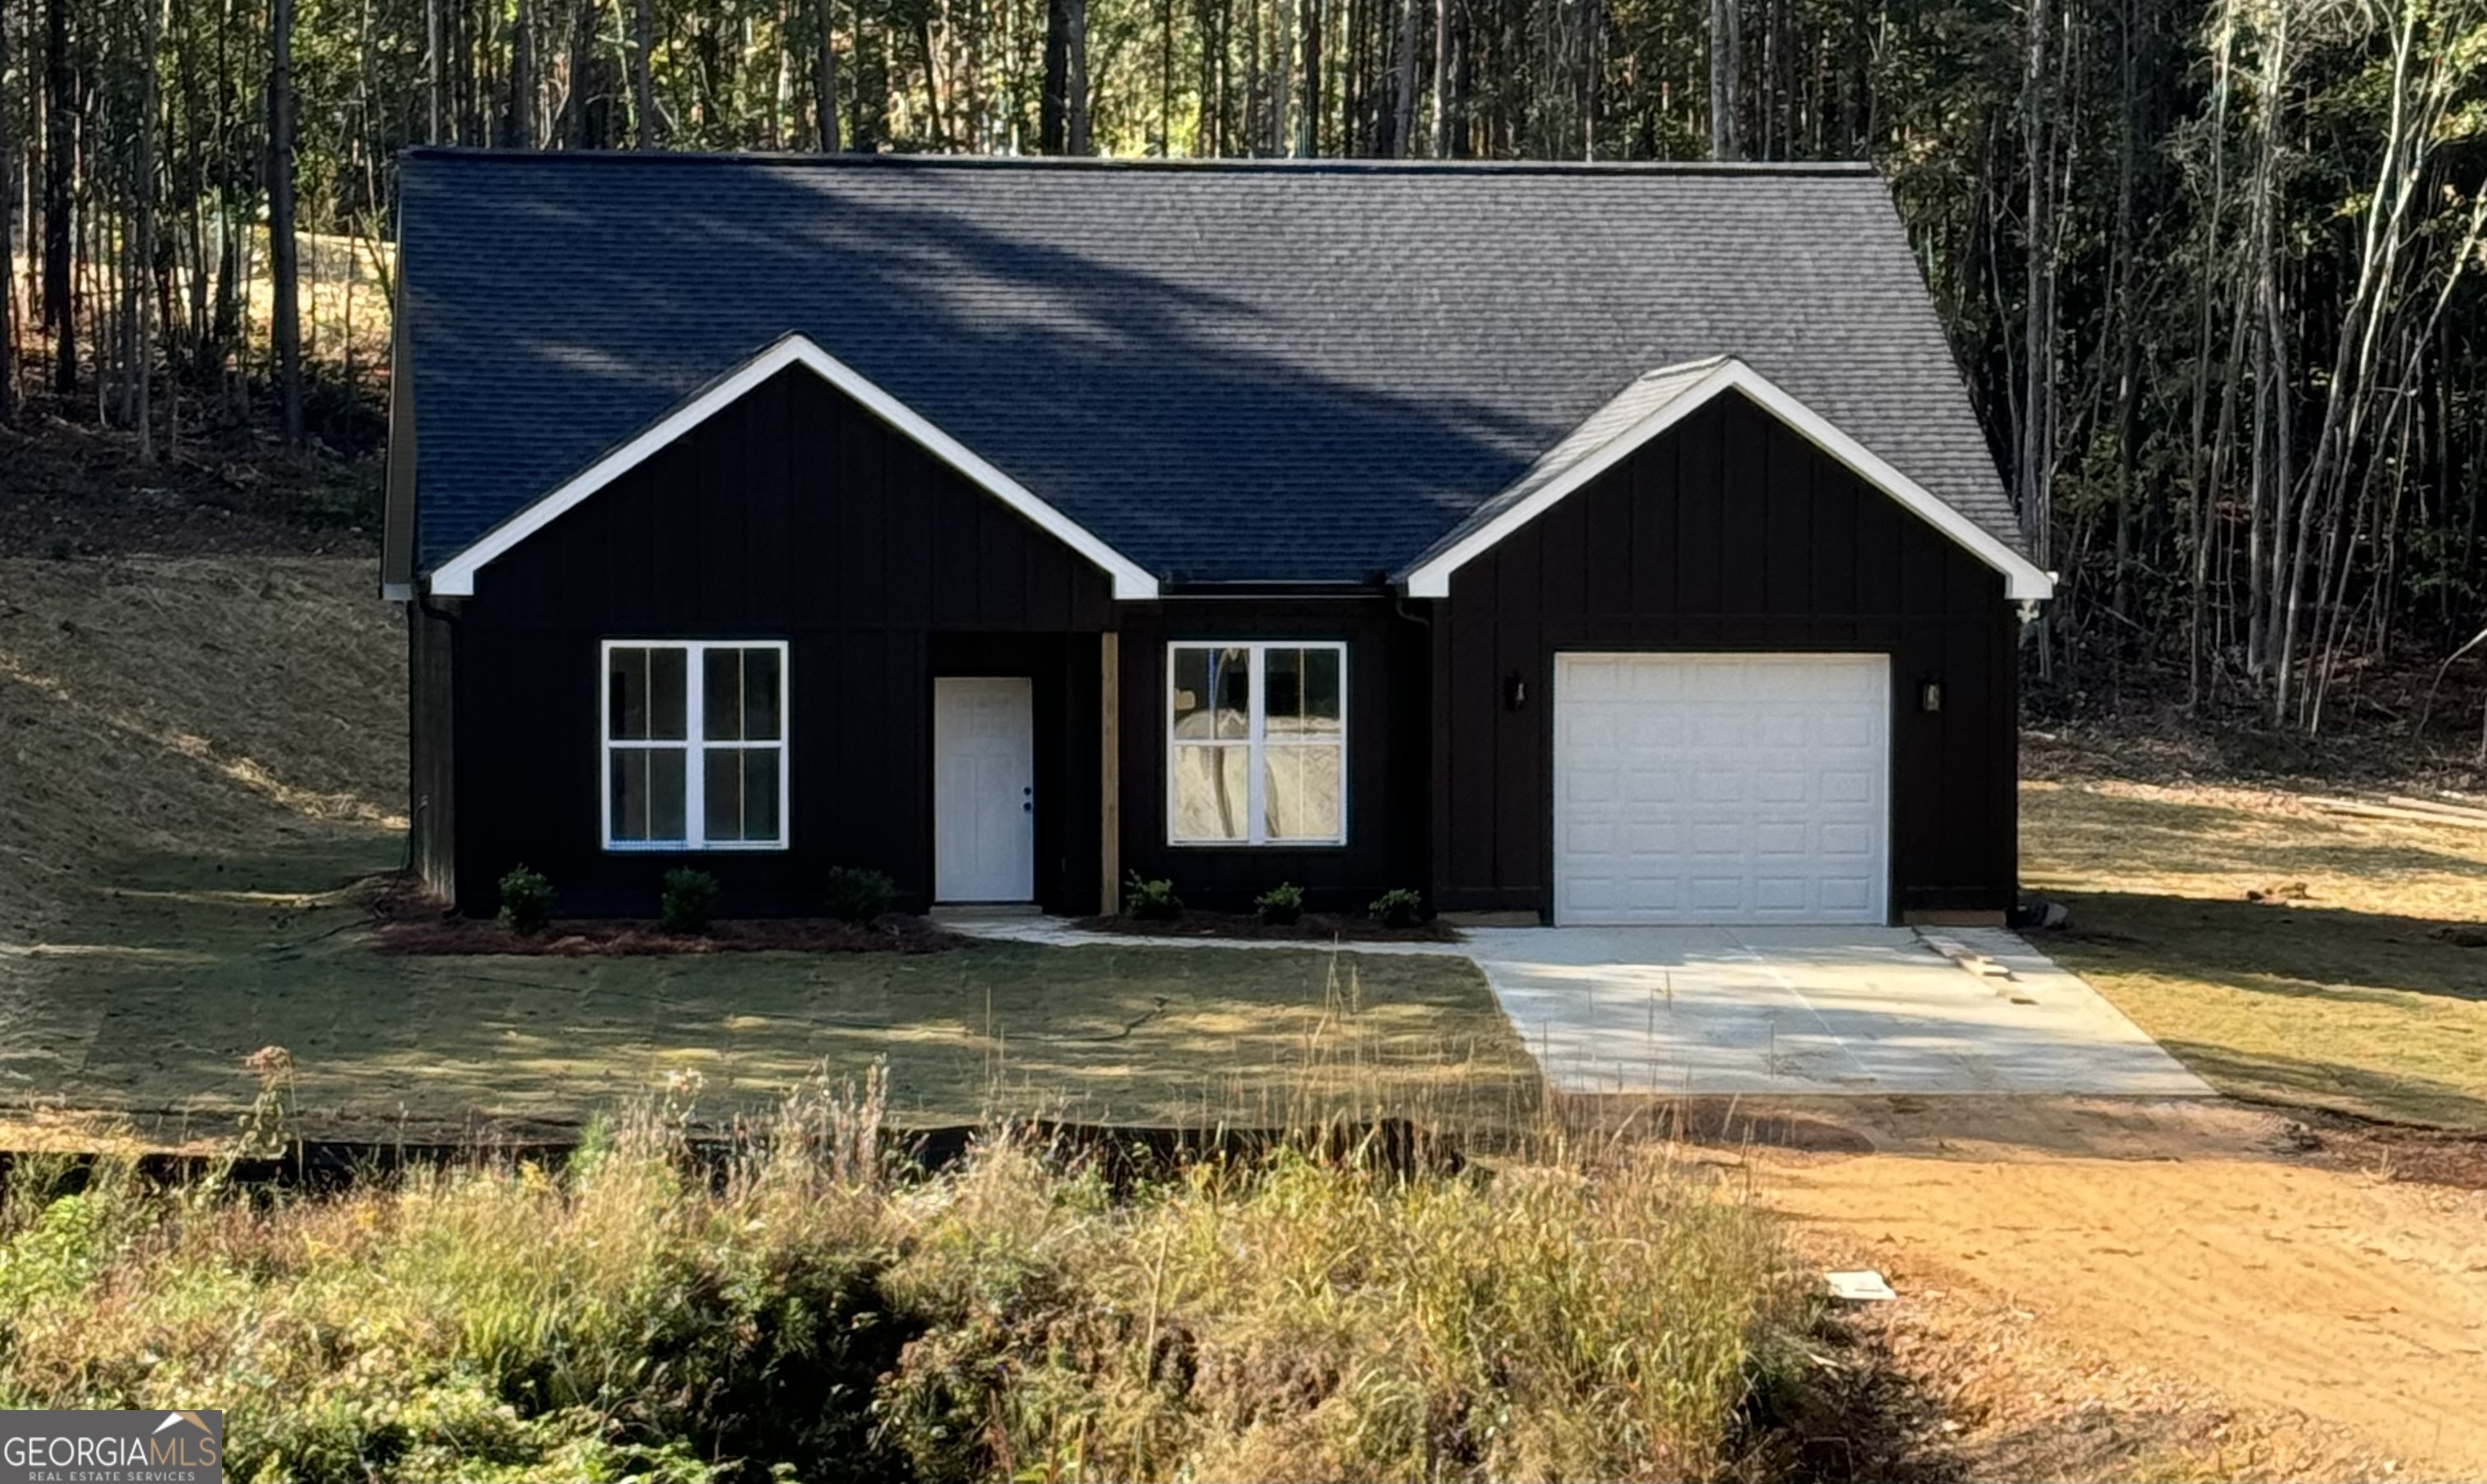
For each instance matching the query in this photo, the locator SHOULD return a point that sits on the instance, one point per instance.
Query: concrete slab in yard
(1809, 1010)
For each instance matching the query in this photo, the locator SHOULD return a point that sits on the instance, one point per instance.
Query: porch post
(1109, 714)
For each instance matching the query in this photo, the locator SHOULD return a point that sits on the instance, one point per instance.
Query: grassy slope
(205, 751)
(2344, 1000)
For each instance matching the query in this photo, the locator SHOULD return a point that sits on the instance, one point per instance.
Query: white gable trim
(2022, 578)
(456, 577)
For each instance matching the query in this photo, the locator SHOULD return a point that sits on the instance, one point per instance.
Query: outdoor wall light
(1515, 692)
(1930, 695)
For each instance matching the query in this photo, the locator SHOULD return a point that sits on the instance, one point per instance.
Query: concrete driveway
(1792, 1011)
(1777, 1012)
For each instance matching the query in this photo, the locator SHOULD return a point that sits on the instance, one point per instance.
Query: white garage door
(1721, 788)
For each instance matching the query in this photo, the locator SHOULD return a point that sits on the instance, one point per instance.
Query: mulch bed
(615, 938)
(407, 920)
(1314, 927)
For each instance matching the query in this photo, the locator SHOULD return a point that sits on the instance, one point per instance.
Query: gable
(455, 576)
(793, 511)
(1648, 409)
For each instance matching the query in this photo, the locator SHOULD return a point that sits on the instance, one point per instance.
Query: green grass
(2346, 999)
(810, 1315)
(161, 984)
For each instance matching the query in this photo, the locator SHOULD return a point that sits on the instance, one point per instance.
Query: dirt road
(2283, 1268)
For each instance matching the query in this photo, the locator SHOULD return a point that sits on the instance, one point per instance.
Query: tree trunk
(1316, 11)
(284, 326)
(1165, 79)
(59, 160)
(1062, 113)
(2126, 308)
(1403, 120)
(142, 257)
(1725, 143)
(1441, 79)
(432, 62)
(932, 77)
(825, 85)
(2037, 451)
(582, 109)
(648, 122)
(521, 130)
(8, 232)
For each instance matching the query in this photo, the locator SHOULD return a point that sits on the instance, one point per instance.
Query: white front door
(983, 789)
(1721, 788)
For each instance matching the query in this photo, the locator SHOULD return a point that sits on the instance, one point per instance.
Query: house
(1604, 543)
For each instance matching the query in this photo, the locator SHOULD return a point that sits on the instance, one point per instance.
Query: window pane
(761, 686)
(1191, 682)
(625, 694)
(1321, 711)
(645, 695)
(1282, 691)
(1232, 684)
(647, 783)
(739, 794)
(1212, 795)
(759, 765)
(668, 695)
(721, 695)
(1299, 792)
(629, 785)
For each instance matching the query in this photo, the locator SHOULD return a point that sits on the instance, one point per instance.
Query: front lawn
(200, 751)
(2335, 991)
(159, 984)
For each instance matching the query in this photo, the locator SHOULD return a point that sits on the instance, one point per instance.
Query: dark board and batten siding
(1731, 533)
(791, 515)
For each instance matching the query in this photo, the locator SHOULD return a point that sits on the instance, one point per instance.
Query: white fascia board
(2022, 578)
(456, 577)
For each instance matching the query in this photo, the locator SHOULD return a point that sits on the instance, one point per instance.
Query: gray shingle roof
(1246, 371)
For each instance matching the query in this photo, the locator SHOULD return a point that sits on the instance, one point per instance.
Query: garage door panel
(1854, 894)
(1783, 838)
(1721, 788)
(1782, 785)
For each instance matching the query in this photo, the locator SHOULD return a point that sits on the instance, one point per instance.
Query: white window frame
(1256, 743)
(693, 745)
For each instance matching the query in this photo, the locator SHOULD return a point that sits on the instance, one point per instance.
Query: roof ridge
(1705, 363)
(1779, 169)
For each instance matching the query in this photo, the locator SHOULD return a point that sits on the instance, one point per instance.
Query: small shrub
(689, 902)
(857, 895)
(527, 900)
(1398, 907)
(1150, 902)
(1280, 906)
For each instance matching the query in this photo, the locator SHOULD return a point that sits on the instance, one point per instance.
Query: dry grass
(2342, 996)
(814, 1316)
(221, 708)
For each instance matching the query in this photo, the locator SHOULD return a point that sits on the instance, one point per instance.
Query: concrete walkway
(1776, 1012)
